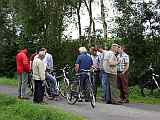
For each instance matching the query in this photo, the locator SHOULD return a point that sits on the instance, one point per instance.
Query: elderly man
(110, 67)
(122, 77)
(38, 68)
(105, 96)
(83, 62)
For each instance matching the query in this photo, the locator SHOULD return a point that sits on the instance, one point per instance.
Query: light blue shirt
(48, 61)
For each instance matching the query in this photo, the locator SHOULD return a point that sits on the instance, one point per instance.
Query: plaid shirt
(123, 60)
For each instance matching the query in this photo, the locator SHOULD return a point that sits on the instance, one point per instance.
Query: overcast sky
(72, 29)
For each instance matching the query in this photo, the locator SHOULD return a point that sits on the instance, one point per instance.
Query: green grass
(8, 81)
(13, 109)
(136, 97)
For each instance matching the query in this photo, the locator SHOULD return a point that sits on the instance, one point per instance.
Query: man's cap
(114, 44)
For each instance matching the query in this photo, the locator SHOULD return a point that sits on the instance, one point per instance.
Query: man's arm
(26, 63)
(112, 60)
(126, 68)
(77, 64)
(77, 68)
(42, 70)
(126, 64)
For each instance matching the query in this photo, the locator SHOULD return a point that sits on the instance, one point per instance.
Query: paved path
(102, 111)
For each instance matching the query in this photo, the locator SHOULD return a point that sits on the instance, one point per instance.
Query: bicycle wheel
(63, 88)
(147, 88)
(73, 94)
(92, 99)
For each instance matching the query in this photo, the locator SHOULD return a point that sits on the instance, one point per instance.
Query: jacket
(22, 62)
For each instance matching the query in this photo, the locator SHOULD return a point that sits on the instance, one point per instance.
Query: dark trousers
(122, 80)
(83, 82)
(39, 91)
(94, 80)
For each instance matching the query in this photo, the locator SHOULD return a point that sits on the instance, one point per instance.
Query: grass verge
(13, 109)
(136, 97)
(8, 81)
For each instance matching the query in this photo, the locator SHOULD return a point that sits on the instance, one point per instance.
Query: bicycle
(150, 85)
(74, 91)
(61, 85)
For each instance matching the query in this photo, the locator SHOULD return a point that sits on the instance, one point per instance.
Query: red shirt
(22, 62)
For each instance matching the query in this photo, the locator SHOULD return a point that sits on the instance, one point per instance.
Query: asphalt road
(102, 111)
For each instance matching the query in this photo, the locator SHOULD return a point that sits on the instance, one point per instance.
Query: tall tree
(103, 18)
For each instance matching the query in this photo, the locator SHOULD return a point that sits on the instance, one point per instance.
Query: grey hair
(82, 50)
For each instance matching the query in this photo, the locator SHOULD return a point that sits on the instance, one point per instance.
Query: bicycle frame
(154, 79)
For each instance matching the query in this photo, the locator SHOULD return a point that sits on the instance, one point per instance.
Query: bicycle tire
(63, 88)
(92, 99)
(72, 94)
(147, 88)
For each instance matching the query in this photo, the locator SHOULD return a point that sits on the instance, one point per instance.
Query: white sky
(72, 29)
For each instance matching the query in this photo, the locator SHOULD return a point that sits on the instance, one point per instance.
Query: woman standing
(38, 77)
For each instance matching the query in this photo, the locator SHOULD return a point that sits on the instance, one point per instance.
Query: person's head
(43, 49)
(120, 49)
(93, 51)
(100, 49)
(114, 47)
(82, 50)
(41, 54)
(24, 50)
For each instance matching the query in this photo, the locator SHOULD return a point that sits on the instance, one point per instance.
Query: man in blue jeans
(83, 62)
(105, 95)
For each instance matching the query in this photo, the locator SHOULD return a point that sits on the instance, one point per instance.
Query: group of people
(111, 69)
(39, 64)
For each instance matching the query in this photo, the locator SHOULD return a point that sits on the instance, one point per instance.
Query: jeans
(52, 83)
(22, 84)
(105, 86)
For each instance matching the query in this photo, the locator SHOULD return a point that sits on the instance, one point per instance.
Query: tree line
(41, 23)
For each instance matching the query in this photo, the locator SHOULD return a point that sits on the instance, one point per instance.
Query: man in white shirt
(110, 67)
(105, 95)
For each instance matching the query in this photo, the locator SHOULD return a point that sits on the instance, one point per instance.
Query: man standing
(95, 78)
(23, 69)
(38, 69)
(83, 62)
(105, 96)
(122, 77)
(48, 62)
(110, 67)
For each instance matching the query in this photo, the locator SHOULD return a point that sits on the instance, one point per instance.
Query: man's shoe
(19, 97)
(125, 101)
(23, 97)
(86, 100)
(50, 98)
(80, 100)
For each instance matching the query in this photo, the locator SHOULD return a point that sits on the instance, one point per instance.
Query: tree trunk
(103, 19)
(89, 8)
(79, 19)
